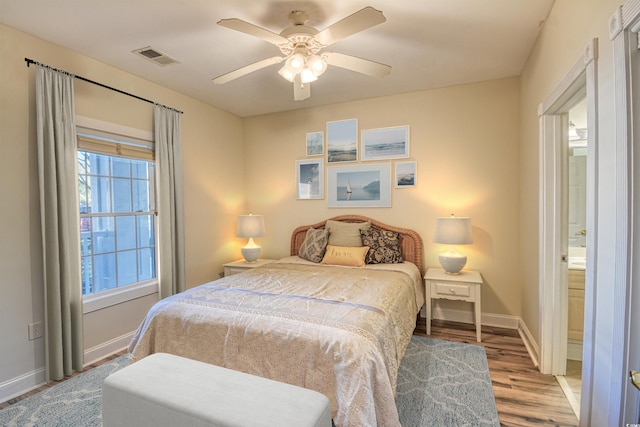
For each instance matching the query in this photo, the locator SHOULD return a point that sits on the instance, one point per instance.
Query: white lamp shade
(250, 226)
(453, 231)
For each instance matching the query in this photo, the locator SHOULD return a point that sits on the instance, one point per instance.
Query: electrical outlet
(35, 330)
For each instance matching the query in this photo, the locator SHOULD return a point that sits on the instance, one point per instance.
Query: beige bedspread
(340, 331)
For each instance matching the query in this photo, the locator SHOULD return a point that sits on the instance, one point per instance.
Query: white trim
(464, 316)
(568, 392)
(106, 349)
(22, 384)
(116, 296)
(624, 400)
(125, 131)
(580, 81)
(529, 343)
(574, 350)
(30, 381)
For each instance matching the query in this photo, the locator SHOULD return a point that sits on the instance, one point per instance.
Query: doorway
(577, 87)
(576, 225)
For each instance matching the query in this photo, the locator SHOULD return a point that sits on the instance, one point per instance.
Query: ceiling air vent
(155, 56)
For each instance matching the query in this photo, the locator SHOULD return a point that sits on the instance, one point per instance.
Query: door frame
(624, 29)
(579, 82)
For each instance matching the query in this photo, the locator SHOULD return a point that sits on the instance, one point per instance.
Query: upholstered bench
(167, 390)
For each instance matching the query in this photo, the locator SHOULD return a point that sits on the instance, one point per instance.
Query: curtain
(170, 201)
(60, 219)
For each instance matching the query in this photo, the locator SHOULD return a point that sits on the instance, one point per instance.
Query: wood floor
(524, 396)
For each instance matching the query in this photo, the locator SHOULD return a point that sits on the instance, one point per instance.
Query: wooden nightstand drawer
(450, 289)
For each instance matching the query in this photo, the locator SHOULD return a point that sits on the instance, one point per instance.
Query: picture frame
(309, 179)
(406, 174)
(342, 141)
(361, 186)
(315, 143)
(385, 143)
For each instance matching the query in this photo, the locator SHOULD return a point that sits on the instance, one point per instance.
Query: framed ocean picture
(309, 179)
(385, 143)
(315, 144)
(342, 141)
(359, 186)
(406, 174)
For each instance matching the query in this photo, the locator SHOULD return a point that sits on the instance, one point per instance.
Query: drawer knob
(453, 291)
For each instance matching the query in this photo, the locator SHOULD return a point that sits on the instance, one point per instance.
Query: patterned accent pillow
(314, 245)
(384, 246)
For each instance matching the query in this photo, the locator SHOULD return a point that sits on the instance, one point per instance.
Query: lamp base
(251, 252)
(452, 264)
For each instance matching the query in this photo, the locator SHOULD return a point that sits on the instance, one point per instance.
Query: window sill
(118, 296)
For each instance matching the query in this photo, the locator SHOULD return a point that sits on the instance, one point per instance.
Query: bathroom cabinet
(576, 305)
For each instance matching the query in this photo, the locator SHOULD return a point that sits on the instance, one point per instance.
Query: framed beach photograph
(363, 186)
(385, 143)
(342, 141)
(406, 174)
(315, 143)
(309, 179)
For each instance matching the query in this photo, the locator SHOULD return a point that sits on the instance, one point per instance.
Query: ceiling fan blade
(356, 64)
(361, 20)
(253, 30)
(301, 91)
(247, 69)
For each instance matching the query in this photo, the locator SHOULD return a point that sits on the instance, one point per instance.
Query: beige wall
(212, 152)
(465, 140)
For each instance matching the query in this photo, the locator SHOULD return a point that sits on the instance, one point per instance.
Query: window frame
(119, 295)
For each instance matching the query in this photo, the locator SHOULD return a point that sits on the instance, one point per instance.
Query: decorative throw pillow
(314, 244)
(349, 256)
(345, 233)
(384, 246)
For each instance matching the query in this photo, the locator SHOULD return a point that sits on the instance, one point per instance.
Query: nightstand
(460, 287)
(241, 265)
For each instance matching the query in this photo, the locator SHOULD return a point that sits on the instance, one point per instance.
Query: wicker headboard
(410, 241)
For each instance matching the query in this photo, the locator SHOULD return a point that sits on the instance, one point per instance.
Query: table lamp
(452, 231)
(250, 226)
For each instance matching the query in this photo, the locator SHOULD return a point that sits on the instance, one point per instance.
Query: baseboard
(106, 349)
(25, 383)
(530, 343)
(22, 384)
(497, 320)
(487, 319)
(574, 350)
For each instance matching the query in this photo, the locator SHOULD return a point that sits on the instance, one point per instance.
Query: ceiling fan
(302, 49)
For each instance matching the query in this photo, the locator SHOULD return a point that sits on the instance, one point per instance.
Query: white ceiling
(429, 43)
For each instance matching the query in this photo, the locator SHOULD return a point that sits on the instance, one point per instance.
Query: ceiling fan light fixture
(295, 63)
(316, 64)
(287, 73)
(307, 75)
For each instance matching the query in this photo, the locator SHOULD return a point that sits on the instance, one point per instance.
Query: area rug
(443, 383)
(440, 383)
(76, 402)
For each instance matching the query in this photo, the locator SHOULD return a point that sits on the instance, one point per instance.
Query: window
(116, 221)
(116, 187)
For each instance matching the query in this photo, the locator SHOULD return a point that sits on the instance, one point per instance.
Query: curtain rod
(31, 61)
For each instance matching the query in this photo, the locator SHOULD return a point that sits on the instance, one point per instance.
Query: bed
(336, 329)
